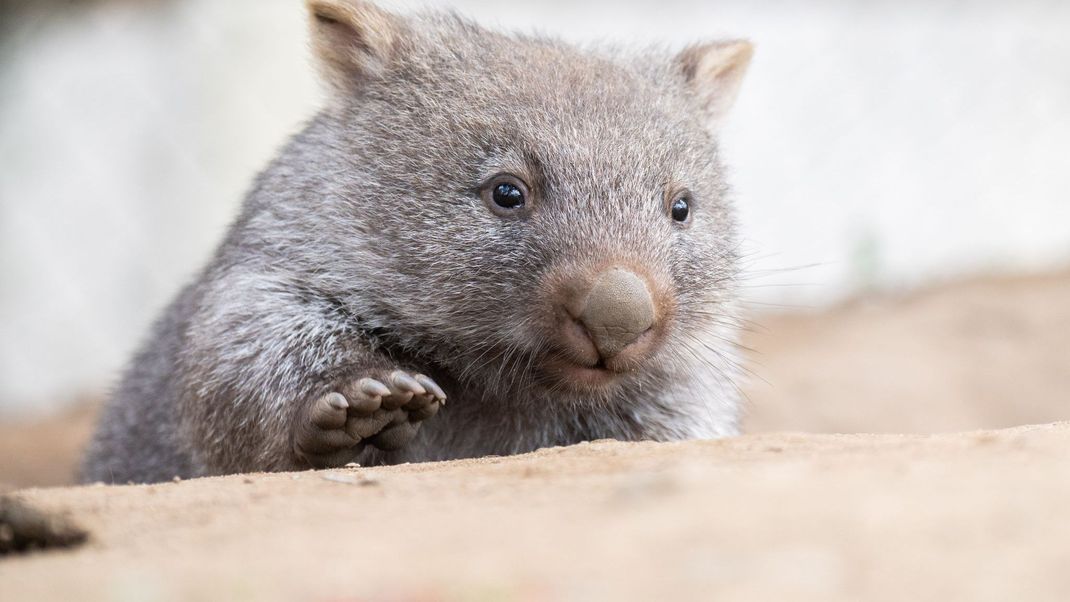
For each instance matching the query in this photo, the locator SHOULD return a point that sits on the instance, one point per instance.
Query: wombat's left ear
(354, 40)
(714, 72)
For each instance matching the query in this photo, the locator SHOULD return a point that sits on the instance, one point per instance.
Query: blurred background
(902, 170)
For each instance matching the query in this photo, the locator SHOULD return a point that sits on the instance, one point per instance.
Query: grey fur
(364, 247)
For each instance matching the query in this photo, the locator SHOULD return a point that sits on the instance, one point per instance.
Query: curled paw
(393, 409)
(384, 411)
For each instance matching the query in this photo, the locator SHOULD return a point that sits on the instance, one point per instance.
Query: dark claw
(431, 386)
(337, 401)
(368, 396)
(405, 382)
(372, 387)
(364, 406)
(329, 411)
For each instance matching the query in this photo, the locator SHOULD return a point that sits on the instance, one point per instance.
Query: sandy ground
(979, 516)
(973, 515)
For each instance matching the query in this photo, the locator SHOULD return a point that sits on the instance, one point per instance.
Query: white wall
(881, 144)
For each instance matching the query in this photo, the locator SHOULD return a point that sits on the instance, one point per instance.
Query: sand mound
(980, 354)
(979, 516)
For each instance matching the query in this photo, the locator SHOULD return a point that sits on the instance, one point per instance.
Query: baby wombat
(538, 233)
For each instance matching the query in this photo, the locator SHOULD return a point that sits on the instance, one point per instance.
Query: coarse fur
(365, 245)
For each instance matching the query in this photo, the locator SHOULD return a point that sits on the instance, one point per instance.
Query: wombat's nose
(617, 311)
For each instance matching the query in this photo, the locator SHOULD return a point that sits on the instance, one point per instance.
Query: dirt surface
(978, 516)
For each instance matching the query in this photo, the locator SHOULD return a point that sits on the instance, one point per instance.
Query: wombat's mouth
(581, 376)
(567, 368)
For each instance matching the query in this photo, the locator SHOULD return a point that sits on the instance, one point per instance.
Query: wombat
(539, 233)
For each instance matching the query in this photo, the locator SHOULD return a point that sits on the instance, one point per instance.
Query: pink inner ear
(326, 19)
(343, 35)
(353, 39)
(714, 71)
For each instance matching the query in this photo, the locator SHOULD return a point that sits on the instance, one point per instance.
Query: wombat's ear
(354, 40)
(714, 72)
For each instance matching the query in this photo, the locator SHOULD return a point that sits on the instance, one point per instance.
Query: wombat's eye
(680, 209)
(505, 194)
(508, 196)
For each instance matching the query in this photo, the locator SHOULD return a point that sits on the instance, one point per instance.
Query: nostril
(580, 330)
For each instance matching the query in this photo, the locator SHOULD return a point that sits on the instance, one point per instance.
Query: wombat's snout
(616, 311)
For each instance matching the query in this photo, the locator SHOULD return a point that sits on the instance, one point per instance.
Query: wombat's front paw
(385, 412)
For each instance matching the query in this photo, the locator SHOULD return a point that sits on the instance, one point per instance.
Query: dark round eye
(505, 194)
(681, 209)
(508, 196)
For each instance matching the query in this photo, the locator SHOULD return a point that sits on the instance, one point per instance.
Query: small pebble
(361, 481)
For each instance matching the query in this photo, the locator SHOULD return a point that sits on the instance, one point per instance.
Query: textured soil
(979, 514)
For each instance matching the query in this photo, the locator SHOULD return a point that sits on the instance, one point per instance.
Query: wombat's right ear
(354, 40)
(714, 72)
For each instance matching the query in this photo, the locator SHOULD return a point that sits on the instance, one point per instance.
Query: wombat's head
(527, 212)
